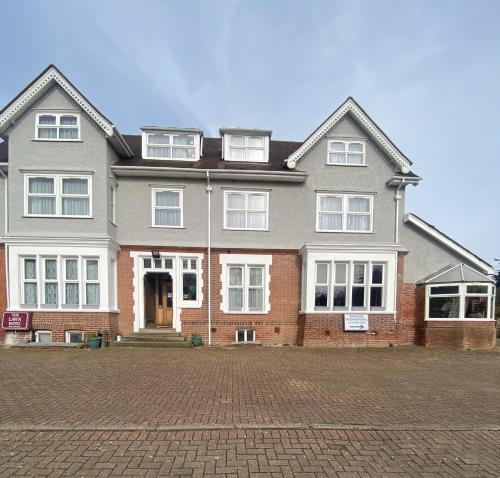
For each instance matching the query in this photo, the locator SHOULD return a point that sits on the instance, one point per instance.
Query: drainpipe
(6, 191)
(209, 250)
(397, 197)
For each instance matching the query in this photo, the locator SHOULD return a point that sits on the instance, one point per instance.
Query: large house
(239, 238)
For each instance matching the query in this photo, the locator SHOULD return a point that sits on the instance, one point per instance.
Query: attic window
(57, 127)
(170, 146)
(351, 153)
(246, 148)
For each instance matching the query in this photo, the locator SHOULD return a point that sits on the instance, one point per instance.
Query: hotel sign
(355, 322)
(16, 320)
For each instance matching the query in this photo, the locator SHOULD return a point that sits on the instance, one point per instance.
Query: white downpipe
(209, 256)
(6, 204)
(397, 197)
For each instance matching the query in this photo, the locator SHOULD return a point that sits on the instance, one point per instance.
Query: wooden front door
(163, 303)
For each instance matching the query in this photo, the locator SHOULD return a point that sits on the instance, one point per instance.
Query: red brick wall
(279, 326)
(89, 322)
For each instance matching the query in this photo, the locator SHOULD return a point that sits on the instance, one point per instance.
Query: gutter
(209, 254)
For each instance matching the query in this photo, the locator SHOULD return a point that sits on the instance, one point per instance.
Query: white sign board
(355, 322)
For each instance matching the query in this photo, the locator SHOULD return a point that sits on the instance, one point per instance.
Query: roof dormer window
(169, 145)
(246, 148)
(246, 145)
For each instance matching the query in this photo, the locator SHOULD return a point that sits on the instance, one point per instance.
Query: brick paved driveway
(402, 412)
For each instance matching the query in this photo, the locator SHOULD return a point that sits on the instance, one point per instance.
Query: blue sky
(428, 72)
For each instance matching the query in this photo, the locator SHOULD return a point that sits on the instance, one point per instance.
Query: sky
(428, 72)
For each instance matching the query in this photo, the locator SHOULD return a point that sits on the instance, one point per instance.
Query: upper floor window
(344, 213)
(57, 127)
(246, 210)
(246, 148)
(57, 195)
(178, 146)
(350, 153)
(167, 208)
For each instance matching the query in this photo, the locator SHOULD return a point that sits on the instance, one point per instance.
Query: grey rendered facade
(118, 233)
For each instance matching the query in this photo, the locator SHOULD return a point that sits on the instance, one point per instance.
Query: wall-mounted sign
(355, 322)
(16, 320)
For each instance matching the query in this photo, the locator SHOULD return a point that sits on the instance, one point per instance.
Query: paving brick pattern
(342, 412)
(250, 453)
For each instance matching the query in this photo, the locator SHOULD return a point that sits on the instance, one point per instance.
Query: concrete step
(151, 344)
(160, 331)
(154, 338)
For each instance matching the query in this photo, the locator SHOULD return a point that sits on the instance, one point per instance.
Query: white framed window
(171, 146)
(58, 195)
(50, 283)
(43, 336)
(91, 282)
(350, 286)
(344, 213)
(246, 148)
(246, 210)
(29, 295)
(245, 283)
(459, 301)
(189, 279)
(57, 127)
(71, 282)
(74, 337)
(112, 205)
(346, 153)
(167, 208)
(245, 336)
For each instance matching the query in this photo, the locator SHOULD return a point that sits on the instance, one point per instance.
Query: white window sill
(189, 305)
(459, 320)
(191, 160)
(245, 229)
(329, 311)
(348, 165)
(86, 309)
(54, 216)
(231, 312)
(167, 227)
(345, 232)
(41, 140)
(255, 342)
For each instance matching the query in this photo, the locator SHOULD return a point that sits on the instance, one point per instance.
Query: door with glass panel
(164, 301)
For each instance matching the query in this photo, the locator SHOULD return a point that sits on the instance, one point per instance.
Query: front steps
(158, 338)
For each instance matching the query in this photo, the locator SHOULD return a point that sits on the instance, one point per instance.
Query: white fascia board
(346, 247)
(350, 106)
(484, 266)
(254, 175)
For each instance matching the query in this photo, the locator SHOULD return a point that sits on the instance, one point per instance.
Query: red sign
(16, 320)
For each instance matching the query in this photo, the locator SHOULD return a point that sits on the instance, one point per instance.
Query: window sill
(345, 232)
(348, 165)
(369, 312)
(39, 140)
(231, 312)
(459, 320)
(167, 227)
(53, 216)
(244, 229)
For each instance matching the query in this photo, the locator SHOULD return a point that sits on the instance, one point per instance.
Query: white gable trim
(350, 106)
(39, 86)
(443, 239)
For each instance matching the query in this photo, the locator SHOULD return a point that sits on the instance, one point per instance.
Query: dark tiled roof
(4, 151)
(212, 156)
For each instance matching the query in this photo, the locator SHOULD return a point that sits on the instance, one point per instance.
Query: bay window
(58, 195)
(57, 127)
(56, 282)
(344, 213)
(459, 301)
(246, 210)
(349, 286)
